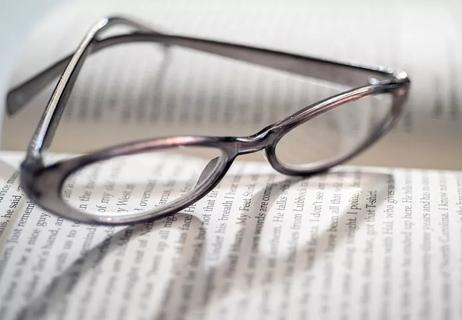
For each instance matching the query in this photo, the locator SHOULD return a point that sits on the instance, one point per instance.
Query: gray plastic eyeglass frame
(43, 183)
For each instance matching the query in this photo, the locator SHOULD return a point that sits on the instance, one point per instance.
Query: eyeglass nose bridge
(257, 142)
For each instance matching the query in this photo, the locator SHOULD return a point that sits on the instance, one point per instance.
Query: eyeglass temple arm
(70, 68)
(341, 73)
(18, 96)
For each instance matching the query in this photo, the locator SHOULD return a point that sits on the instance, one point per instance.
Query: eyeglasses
(153, 178)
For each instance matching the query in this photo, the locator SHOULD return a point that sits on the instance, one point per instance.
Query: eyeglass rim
(396, 108)
(43, 184)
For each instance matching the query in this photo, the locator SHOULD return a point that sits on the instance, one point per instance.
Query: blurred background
(421, 37)
(17, 18)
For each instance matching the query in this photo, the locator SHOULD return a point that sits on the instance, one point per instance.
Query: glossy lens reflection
(335, 134)
(140, 183)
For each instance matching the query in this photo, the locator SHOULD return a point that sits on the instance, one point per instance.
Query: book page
(143, 90)
(354, 243)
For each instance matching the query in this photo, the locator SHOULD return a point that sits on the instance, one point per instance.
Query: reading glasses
(153, 178)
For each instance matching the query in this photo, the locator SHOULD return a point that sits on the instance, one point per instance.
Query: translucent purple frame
(43, 183)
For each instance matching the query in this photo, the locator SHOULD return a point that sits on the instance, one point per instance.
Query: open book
(371, 240)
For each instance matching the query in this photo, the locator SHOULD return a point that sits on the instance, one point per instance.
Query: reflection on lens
(333, 134)
(139, 183)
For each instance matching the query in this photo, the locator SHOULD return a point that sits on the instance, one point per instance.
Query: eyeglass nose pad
(270, 154)
(208, 168)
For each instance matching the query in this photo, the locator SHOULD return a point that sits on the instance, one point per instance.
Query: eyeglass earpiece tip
(14, 102)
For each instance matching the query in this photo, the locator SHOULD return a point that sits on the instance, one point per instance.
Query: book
(379, 238)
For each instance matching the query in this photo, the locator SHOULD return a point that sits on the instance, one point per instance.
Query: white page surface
(355, 243)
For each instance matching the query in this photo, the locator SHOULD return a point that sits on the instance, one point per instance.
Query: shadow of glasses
(251, 263)
(249, 249)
